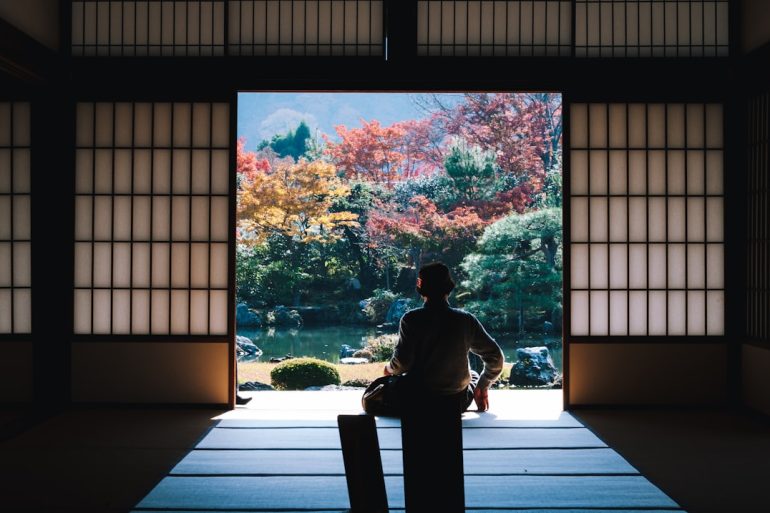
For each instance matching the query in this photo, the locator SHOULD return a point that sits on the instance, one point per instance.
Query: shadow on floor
(709, 461)
(100, 460)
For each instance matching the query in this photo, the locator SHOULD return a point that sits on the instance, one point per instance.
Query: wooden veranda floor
(282, 453)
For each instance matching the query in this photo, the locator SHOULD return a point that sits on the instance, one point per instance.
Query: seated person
(436, 340)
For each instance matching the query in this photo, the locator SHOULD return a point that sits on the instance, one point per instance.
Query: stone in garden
(363, 353)
(327, 388)
(246, 318)
(534, 368)
(353, 361)
(254, 386)
(246, 346)
(346, 351)
(397, 310)
(282, 316)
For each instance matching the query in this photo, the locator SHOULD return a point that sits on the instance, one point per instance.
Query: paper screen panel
(494, 28)
(657, 28)
(15, 218)
(652, 198)
(151, 234)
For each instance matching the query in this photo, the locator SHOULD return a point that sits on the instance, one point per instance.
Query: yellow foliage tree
(293, 199)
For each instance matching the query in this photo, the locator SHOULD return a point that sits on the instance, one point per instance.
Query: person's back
(435, 340)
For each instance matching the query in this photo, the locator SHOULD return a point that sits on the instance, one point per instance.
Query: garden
(343, 196)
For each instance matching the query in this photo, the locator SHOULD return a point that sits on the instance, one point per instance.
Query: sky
(262, 115)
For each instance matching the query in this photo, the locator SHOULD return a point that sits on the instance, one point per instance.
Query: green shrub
(378, 305)
(382, 347)
(300, 373)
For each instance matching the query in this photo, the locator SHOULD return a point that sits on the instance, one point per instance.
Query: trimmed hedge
(300, 373)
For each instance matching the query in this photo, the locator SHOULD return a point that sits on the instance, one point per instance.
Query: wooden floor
(282, 453)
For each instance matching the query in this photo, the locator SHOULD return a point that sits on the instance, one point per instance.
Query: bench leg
(363, 464)
(433, 458)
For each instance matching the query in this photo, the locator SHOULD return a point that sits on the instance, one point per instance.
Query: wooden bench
(363, 464)
(431, 438)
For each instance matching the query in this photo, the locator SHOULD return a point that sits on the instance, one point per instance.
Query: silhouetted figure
(432, 352)
(434, 342)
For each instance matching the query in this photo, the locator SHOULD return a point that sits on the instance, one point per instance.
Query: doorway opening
(343, 196)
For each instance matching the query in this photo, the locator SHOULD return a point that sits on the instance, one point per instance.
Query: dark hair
(434, 280)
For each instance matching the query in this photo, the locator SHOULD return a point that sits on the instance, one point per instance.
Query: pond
(324, 342)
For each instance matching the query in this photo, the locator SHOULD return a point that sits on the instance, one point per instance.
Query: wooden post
(432, 440)
(363, 464)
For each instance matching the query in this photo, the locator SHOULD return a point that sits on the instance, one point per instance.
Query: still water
(324, 342)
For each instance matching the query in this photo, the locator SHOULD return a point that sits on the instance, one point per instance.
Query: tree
(388, 154)
(368, 153)
(291, 144)
(247, 164)
(522, 130)
(472, 170)
(421, 231)
(514, 276)
(295, 200)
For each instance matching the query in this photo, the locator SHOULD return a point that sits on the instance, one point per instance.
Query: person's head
(434, 282)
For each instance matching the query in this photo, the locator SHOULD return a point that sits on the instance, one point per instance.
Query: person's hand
(386, 371)
(481, 397)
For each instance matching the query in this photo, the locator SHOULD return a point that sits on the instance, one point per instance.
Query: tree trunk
(364, 274)
(550, 247)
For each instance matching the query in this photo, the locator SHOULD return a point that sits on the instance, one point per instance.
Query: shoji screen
(148, 28)
(15, 256)
(306, 27)
(152, 232)
(651, 28)
(756, 354)
(15, 236)
(646, 230)
(494, 28)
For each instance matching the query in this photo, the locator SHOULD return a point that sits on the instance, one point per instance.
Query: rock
(354, 283)
(245, 318)
(326, 314)
(547, 327)
(346, 351)
(353, 361)
(245, 346)
(534, 368)
(397, 310)
(254, 386)
(357, 383)
(279, 359)
(327, 388)
(388, 327)
(282, 316)
(363, 353)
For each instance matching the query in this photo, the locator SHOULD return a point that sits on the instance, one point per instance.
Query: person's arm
(403, 355)
(490, 353)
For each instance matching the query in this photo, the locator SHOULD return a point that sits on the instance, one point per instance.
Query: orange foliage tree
(424, 230)
(293, 199)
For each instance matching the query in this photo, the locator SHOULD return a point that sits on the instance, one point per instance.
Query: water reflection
(324, 342)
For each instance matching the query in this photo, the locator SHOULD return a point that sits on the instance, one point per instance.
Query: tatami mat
(278, 456)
